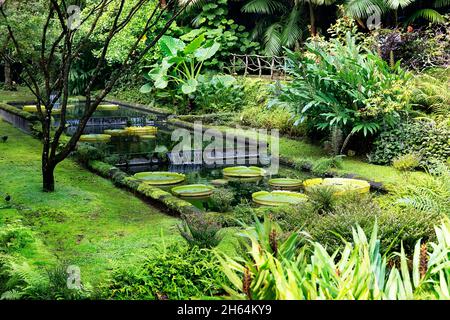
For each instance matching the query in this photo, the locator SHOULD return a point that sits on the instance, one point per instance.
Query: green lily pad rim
(285, 182)
(243, 171)
(174, 177)
(95, 137)
(183, 191)
(295, 195)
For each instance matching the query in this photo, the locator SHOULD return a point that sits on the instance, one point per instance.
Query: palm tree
(282, 22)
(279, 23)
(360, 9)
(312, 5)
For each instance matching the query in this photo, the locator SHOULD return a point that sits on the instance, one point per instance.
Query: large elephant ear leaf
(195, 44)
(171, 46)
(189, 86)
(204, 53)
(146, 88)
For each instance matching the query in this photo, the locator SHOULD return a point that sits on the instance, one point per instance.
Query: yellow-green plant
(299, 269)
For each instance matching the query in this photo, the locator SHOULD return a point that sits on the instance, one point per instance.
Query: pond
(136, 153)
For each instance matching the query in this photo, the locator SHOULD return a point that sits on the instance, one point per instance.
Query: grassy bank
(87, 221)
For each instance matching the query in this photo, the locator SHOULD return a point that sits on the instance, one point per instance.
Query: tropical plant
(341, 85)
(430, 193)
(423, 137)
(181, 64)
(177, 272)
(300, 269)
(212, 18)
(360, 9)
(198, 230)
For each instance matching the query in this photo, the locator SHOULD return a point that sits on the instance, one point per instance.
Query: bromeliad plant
(344, 86)
(291, 269)
(182, 64)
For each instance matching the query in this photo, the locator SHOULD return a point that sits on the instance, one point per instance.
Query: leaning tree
(65, 33)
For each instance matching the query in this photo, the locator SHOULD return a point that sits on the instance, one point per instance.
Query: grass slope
(87, 221)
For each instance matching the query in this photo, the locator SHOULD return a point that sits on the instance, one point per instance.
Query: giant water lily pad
(148, 137)
(116, 132)
(286, 183)
(95, 138)
(34, 109)
(108, 107)
(244, 172)
(148, 130)
(160, 177)
(278, 198)
(193, 190)
(342, 185)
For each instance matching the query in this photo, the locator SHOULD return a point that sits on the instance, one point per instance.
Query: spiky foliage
(359, 271)
(430, 193)
(360, 9)
(278, 24)
(433, 92)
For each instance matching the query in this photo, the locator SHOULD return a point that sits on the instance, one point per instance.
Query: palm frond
(263, 6)
(272, 39)
(427, 14)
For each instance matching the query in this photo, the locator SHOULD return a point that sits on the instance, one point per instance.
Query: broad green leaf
(189, 86)
(204, 53)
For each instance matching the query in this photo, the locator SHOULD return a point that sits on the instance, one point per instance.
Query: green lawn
(22, 94)
(87, 221)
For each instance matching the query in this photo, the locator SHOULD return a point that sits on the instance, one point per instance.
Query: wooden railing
(258, 65)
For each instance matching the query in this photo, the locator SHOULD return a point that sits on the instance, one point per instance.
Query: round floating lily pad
(116, 132)
(108, 107)
(148, 137)
(342, 185)
(243, 172)
(286, 183)
(95, 138)
(160, 177)
(148, 130)
(193, 190)
(33, 108)
(278, 198)
(219, 182)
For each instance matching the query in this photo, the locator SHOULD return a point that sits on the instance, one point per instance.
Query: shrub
(407, 162)
(221, 200)
(175, 273)
(290, 269)
(21, 281)
(14, 237)
(431, 91)
(219, 93)
(324, 165)
(200, 230)
(258, 116)
(340, 85)
(425, 139)
(395, 224)
(322, 198)
(85, 153)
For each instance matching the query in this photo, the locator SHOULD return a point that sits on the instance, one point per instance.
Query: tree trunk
(48, 166)
(312, 19)
(48, 177)
(8, 78)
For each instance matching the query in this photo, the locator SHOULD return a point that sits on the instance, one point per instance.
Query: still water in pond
(134, 153)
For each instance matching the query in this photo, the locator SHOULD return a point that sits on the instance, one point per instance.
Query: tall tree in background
(47, 66)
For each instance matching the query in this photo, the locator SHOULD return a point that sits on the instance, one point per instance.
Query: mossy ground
(87, 221)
